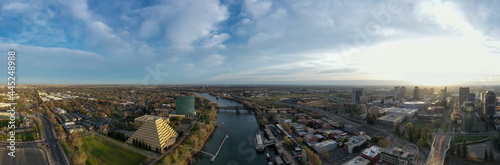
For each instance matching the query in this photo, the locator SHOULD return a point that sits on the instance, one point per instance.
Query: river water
(239, 148)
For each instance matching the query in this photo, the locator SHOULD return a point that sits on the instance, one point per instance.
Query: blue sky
(430, 42)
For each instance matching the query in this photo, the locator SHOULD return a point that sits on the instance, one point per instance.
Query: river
(239, 148)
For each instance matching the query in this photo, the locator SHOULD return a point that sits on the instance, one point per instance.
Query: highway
(361, 125)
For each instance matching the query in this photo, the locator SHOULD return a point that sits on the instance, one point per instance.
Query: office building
(403, 92)
(416, 93)
(420, 105)
(444, 93)
(185, 106)
(463, 94)
(431, 91)
(395, 155)
(156, 133)
(357, 93)
(397, 91)
(490, 103)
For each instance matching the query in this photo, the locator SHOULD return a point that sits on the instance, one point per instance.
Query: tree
(311, 156)
(288, 143)
(452, 147)
(325, 153)
(459, 150)
(419, 134)
(491, 156)
(370, 119)
(104, 129)
(299, 140)
(398, 129)
(383, 143)
(486, 154)
(80, 158)
(464, 148)
(75, 139)
(286, 127)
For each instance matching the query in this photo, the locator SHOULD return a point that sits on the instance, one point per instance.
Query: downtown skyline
(253, 42)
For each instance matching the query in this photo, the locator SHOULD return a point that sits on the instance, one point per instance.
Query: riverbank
(199, 135)
(239, 148)
(259, 115)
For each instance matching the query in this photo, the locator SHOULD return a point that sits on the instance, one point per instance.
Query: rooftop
(373, 151)
(325, 143)
(391, 117)
(358, 160)
(405, 111)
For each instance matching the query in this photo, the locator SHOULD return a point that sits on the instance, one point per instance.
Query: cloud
(214, 60)
(183, 22)
(253, 40)
(216, 41)
(16, 6)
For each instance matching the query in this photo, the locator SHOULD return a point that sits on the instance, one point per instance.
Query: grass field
(460, 139)
(25, 136)
(421, 124)
(446, 127)
(102, 151)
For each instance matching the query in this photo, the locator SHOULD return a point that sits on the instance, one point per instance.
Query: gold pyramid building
(155, 132)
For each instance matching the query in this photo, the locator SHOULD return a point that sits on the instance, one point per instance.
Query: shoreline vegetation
(204, 128)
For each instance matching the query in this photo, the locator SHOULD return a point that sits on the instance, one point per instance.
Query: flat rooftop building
(358, 160)
(396, 155)
(403, 111)
(390, 120)
(372, 154)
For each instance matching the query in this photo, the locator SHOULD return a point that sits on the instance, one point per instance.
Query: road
(361, 125)
(56, 151)
(442, 140)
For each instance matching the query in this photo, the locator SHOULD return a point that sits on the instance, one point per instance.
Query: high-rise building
(397, 91)
(357, 93)
(416, 93)
(185, 106)
(463, 94)
(154, 132)
(403, 92)
(490, 103)
(445, 93)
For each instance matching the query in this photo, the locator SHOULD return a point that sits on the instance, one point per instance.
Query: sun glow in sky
(428, 42)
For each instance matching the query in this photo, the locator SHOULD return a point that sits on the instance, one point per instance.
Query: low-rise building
(353, 142)
(390, 120)
(60, 111)
(358, 160)
(74, 128)
(310, 138)
(372, 154)
(327, 144)
(395, 155)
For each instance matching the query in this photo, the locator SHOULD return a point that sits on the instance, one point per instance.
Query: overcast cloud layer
(251, 41)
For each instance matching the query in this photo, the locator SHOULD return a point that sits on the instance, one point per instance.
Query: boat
(259, 143)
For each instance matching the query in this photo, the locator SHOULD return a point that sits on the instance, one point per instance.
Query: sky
(322, 42)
